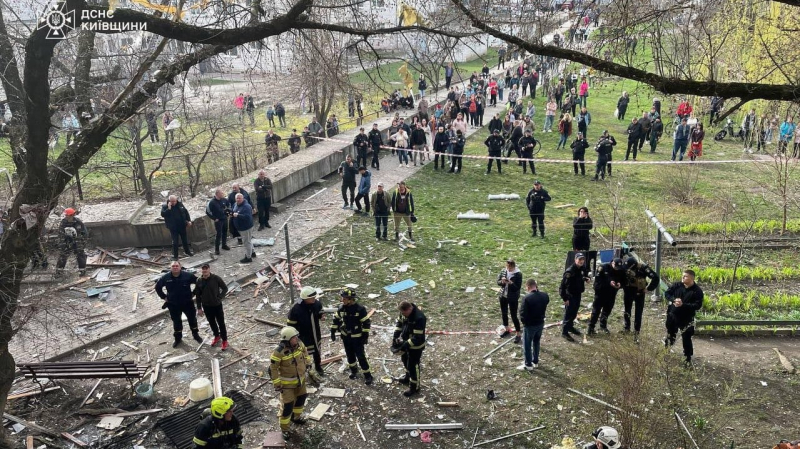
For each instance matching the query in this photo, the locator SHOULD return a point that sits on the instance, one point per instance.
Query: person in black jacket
(361, 144)
(516, 134)
(441, 141)
(610, 278)
(458, 150)
(495, 143)
(305, 317)
(271, 142)
(633, 291)
(353, 323)
(209, 292)
(495, 123)
(622, 105)
(178, 299)
(510, 280)
(685, 298)
(526, 145)
(409, 340)
(218, 210)
(235, 189)
(376, 140)
(532, 313)
(348, 171)
(605, 145)
(572, 286)
(581, 226)
(402, 209)
(380, 210)
(219, 430)
(634, 133)
(176, 218)
(263, 188)
(536, 199)
(294, 142)
(579, 147)
(418, 142)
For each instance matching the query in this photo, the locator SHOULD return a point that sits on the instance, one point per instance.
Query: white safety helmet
(308, 292)
(608, 436)
(288, 332)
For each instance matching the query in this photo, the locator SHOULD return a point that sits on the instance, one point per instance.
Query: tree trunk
(6, 379)
(233, 162)
(147, 185)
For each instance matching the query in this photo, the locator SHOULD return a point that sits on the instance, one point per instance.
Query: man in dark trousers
(218, 210)
(581, 226)
(236, 189)
(579, 147)
(361, 145)
(441, 142)
(495, 144)
(634, 133)
(409, 340)
(380, 210)
(263, 188)
(209, 292)
(537, 197)
(685, 298)
(364, 184)
(352, 323)
(305, 317)
(646, 125)
(178, 299)
(176, 218)
(402, 209)
(72, 234)
(219, 430)
(376, 140)
(510, 281)
(605, 145)
(610, 278)
(682, 134)
(526, 145)
(572, 286)
(348, 171)
(532, 313)
(636, 284)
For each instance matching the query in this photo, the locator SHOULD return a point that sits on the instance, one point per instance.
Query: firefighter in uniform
(219, 430)
(610, 278)
(409, 340)
(352, 323)
(288, 365)
(73, 239)
(636, 284)
(305, 317)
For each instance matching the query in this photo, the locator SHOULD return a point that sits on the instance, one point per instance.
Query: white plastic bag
(616, 113)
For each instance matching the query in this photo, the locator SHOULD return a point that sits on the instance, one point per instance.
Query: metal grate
(179, 427)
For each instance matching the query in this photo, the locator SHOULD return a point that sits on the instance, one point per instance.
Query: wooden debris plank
(335, 358)
(72, 284)
(29, 442)
(562, 206)
(154, 376)
(91, 392)
(509, 436)
(35, 392)
(447, 404)
(129, 345)
(216, 378)
(258, 387)
(302, 261)
(271, 323)
(374, 262)
(31, 425)
(72, 438)
(234, 361)
(135, 301)
(319, 411)
(109, 253)
(134, 413)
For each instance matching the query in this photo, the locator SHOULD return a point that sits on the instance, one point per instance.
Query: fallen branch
(498, 347)
(374, 262)
(600, 401)
(234, 361)
(509, 436)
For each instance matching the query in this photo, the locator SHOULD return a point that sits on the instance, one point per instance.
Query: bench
(124, 369)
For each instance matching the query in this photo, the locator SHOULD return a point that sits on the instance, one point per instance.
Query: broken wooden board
(319, 411)
(180, 359)
(32, 393)
(332, 392)
(73, 284)
(335, 358)
(75, 440)
(431, 426)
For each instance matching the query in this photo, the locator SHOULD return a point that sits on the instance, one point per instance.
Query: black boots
(410, 236)
(411, 391)
(368, 378)
(396, 236)
(197, 337)
(178, 338)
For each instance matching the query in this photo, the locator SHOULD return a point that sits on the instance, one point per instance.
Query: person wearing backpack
(218, 209)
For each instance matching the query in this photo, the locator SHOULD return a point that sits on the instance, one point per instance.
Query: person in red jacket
(684, 110)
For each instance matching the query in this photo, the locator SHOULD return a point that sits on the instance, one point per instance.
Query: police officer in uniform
(572, 286)
(178, 299)
(376, 140)
(220, 429)
(361, 144)
(610, 278)
(527, 145)
(73, 239)
(409, 340)
(305, 317)
(536, 199)
(288, 365)
(495, 142)
(633, 291)
(352, 323)
(685, 298)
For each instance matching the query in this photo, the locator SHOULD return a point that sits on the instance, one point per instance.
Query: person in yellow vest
(289, 364)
